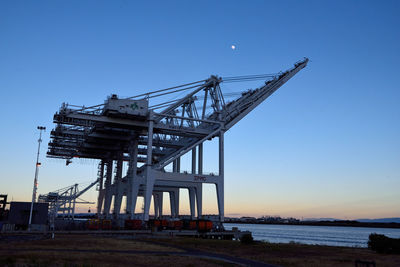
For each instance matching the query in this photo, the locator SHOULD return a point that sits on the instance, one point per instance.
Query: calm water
(318, 235)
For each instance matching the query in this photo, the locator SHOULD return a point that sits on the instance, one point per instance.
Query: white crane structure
(151, 137)
(63, 201)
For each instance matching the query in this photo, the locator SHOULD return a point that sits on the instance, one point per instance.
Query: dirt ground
(91, 250)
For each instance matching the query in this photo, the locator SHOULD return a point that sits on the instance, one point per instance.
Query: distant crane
(64, 200)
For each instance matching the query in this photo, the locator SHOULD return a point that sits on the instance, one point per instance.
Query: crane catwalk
(152, 136)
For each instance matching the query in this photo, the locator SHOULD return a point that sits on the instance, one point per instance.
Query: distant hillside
(320, 219)
(380, 220)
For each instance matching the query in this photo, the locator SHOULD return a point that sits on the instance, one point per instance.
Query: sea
(314, 235)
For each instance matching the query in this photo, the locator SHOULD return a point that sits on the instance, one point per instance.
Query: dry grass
(22, 253)
(105, 251)
(98, 259)
(289, 254)
(87, 242)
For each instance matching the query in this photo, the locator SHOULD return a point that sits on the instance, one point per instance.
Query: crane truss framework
(64, 200)
(149, 140)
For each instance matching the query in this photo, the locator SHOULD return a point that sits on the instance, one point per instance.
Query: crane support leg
(160, 203)
(150, 179)
(175, 196)
(108, 193)
(172, 204)
(132, 179)
(74, 201)
(135, 192)
(194, 160)
(156, 204)
(199, 199)
(118, 185)
(192, 202)
(200, 162)
(178, 164)
(220, 184)
(101, 191)
(100, 202)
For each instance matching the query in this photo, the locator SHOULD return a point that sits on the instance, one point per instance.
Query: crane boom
(236, 110)
(86, 189)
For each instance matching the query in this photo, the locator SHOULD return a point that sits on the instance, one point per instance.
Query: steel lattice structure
(151, 137)
(63, 201)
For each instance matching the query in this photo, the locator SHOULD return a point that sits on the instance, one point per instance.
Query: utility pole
(40, 128)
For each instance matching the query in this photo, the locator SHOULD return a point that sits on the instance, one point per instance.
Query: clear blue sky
(327, 144)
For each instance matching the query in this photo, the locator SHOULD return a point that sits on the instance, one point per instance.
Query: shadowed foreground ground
(85, 250)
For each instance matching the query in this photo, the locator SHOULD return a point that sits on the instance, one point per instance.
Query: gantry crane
(152, 136)
(63, 201)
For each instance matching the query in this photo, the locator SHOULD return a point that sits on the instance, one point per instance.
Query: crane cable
(153, 92)
(191, 85)
(248, 78)
(165, 104)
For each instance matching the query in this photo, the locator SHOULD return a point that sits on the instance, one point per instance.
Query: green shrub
(246, 239)
(384, 244)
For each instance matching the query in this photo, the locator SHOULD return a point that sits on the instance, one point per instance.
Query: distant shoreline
(344, 223)
(328, 223)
